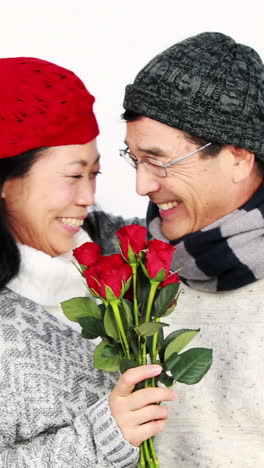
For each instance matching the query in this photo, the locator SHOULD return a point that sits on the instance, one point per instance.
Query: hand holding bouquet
(136, 289)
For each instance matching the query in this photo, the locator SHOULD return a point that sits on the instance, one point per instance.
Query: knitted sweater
(54, 409)
(220, 421)
(53, 403)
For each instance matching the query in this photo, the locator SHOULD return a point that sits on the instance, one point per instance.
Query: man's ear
(243, 164)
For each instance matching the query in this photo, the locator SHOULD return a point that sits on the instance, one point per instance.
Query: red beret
(41, 105)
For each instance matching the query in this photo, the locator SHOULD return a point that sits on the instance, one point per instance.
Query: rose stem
(135, 303)
(114, 305)
(152, 292)
(146, 451)
(153, 452)
(142, 463)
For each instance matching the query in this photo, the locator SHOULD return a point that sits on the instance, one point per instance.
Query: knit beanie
(42, 105)
(208, 86)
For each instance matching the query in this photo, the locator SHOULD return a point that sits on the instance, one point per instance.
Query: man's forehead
(155, 138)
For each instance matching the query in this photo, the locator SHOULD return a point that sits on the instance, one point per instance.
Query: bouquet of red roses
(136, 289)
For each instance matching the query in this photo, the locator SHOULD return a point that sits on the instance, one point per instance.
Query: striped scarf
(225, 255)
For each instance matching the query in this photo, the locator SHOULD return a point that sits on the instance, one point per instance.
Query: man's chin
(169, 231)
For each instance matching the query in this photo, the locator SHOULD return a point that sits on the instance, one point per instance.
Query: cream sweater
(220, 421)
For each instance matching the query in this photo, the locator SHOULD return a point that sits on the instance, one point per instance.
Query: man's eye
(149, 163)
(79, 176)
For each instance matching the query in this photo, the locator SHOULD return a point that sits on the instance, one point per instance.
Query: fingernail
(156, 369)
(173, 394)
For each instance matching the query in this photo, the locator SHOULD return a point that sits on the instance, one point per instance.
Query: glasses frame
(133, 161)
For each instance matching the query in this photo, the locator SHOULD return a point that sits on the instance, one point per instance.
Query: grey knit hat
(208, 86)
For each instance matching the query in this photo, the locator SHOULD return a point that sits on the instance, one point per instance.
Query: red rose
(158, 257)
(173, 278)
(87, 253)
(134, 236)
(110, 271)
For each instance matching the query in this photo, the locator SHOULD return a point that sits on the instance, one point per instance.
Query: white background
(106, 43)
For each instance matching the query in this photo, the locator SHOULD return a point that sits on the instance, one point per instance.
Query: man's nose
(146, 182)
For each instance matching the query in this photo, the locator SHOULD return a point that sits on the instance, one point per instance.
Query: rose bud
(133, 239)
(111, 271)
(88, 253)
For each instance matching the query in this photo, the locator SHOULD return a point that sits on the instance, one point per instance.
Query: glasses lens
(155, 167)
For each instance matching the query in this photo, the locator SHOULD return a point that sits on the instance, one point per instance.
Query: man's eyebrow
(83, 163)
(154, 151)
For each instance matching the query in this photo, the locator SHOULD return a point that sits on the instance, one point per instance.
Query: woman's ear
(243, 164)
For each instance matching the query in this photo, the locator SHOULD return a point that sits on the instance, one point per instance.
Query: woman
(55, 407)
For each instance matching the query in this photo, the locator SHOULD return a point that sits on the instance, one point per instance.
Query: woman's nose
(86, 193)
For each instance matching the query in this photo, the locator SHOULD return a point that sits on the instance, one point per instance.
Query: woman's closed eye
(80, 176)
(96, 173)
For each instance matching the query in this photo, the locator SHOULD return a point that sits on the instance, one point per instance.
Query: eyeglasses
(154, 165)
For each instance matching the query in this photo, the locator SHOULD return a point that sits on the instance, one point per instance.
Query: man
(195, 133)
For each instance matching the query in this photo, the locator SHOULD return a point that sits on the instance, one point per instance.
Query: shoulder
(102, 228)
(13, 306)
(17, 308)
(31, 337)
(23, 321)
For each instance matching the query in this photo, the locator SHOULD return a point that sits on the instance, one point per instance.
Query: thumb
(131, 377)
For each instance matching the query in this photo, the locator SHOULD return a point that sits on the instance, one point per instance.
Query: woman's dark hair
(212, 150)
(10, 168)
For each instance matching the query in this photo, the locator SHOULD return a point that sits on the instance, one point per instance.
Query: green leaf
(179, 342)
(86, 334)
(143, 288)
(172, 307)
(102, 308)
(107, 357)
(164, 298)
(110, 324)
(149, 328)
(171, 362)
(126, 364)
(190, 366)
(168, 339)
(174, 334)
(133, 340)
(92, 326)
(78, 307)
(165, 379)
(111, 351)
(126, 313)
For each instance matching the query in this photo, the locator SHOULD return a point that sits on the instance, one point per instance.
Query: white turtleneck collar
(50, 280)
